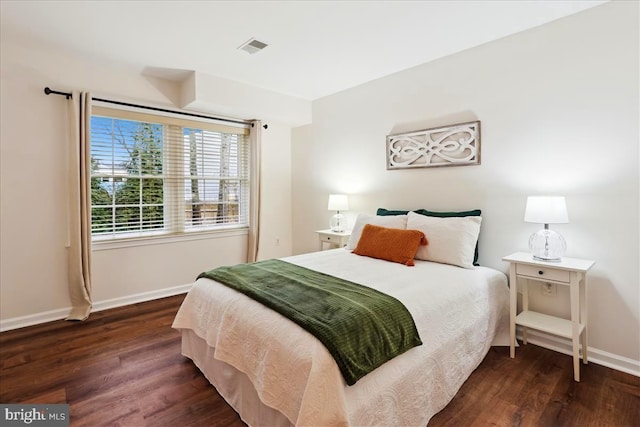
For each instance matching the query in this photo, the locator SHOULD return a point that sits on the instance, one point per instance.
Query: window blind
(156, 175)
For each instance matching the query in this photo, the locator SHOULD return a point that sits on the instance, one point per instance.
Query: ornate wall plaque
(454, 145)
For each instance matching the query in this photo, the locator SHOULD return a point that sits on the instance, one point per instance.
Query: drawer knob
(540, 272)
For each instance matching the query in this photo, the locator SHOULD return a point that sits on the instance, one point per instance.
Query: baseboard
(33, 319)
(600, 357)
(142, 297)
(52, 315)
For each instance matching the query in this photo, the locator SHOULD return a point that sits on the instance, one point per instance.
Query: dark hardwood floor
(124, 367)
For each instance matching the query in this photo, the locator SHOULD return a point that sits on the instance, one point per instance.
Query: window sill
(107, 244)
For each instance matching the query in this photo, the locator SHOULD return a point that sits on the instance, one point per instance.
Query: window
(162, 175)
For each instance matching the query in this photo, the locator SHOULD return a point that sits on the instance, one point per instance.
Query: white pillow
(451, 240)
(389, 221)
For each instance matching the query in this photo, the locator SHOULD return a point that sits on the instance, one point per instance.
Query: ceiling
(316, 48)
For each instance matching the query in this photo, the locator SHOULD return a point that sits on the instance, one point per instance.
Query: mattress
(241, 345)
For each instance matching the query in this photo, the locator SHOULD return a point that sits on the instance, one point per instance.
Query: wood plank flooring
(123, 367)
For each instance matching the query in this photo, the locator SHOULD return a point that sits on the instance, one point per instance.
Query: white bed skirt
(233, 385)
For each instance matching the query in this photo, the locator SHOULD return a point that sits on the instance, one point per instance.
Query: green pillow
(475, 212)
(385, 212)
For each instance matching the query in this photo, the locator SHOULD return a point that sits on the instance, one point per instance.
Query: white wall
(33, 276)
(559, 112)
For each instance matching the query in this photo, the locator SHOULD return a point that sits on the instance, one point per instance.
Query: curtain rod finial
(48, 91)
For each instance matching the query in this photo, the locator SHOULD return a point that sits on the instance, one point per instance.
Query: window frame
(113, 240)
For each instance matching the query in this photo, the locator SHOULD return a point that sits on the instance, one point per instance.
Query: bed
(273, 372)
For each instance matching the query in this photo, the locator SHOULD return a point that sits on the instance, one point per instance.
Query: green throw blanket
(361, 327)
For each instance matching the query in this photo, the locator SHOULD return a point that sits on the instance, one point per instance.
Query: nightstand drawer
(543, 273)
(329, 239)
(333, 238)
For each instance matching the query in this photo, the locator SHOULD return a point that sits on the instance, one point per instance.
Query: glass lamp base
(338, 222)
(547, 245)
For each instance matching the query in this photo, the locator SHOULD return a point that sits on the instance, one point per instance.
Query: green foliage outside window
(133, 201)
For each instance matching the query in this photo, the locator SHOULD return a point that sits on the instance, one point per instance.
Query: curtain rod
(69, 95)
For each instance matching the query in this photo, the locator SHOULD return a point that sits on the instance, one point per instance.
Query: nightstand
(335, 239)
(570, 272)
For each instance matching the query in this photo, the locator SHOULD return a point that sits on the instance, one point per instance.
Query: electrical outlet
(277, 241)
(549, 289)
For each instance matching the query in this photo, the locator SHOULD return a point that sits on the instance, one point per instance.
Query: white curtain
(79, 208)
(255, 137)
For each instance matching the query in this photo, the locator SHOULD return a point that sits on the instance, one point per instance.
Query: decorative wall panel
(453, 145)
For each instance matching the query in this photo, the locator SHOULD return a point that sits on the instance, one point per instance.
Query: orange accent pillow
(391, 244)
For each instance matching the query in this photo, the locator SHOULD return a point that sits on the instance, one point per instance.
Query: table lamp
(338, 202)
(546, 244)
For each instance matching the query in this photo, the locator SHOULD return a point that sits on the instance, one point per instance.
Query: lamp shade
(546, 210)
(338, 202)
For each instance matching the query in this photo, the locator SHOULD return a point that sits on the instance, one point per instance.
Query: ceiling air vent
(252, 46)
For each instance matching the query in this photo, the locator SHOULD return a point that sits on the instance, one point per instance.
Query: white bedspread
(456, 311)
